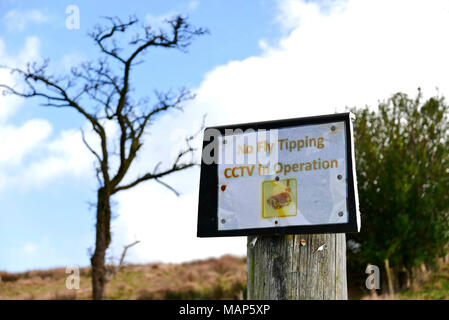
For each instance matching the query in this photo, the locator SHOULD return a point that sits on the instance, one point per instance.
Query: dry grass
(223, 278)
(435, 286)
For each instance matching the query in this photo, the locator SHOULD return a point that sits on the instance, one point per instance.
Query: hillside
(222, 278)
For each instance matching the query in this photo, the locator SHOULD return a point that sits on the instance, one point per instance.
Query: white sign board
(284, 179)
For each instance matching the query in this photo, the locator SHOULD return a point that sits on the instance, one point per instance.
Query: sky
(263, 60)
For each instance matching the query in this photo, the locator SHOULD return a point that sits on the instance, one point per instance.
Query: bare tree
(101, 91)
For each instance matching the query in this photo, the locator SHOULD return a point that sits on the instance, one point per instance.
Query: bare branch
(168, 187)
(125, 249)
(89, 147)
(150, 176)
(181, 35)
(100, 35)
(113, 270)
(176, 166)
(38, 75)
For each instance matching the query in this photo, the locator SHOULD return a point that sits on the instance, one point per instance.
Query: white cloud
(292, 13)
(158, 22)
(193, 5)
(15, 142)
(18, 20)
(166, 227)
(30, 156)
(333, 55)
(71, 60)
(354, 53)
(64, 156)
(30, 52)
(30, 248)
(34, 159)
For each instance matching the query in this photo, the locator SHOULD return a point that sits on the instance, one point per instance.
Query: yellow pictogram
(279, 198)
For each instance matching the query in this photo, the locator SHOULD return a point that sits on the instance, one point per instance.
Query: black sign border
(208, 195)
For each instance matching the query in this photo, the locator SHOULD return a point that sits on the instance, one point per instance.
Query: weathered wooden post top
(290, 187)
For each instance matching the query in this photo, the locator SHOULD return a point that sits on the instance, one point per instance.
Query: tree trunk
(283, 268)
(102, 241)
(389, 277)
(409, 280)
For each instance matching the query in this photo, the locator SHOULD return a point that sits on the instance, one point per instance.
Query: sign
(279, 177)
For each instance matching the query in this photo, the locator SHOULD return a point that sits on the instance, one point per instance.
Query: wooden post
(281, 268)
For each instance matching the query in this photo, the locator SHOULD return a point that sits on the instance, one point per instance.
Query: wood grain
(280, 268)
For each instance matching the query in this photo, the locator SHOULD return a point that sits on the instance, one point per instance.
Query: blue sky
(52, 225)
(263, 59)
(227, 23)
